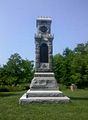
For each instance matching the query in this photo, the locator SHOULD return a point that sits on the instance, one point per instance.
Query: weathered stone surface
(44, 74)
(43, 87)
(43, 59)
(44, 81)
(48, 93)
(26, 100)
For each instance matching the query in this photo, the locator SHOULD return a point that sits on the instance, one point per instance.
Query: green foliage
(16, 71)
(72, 66)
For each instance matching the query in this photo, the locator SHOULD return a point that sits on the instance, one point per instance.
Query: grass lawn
(77, 109)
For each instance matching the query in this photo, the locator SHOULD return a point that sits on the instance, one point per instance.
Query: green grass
(77, 109)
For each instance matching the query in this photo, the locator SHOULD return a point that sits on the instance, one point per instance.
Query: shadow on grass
(7, 94)
(79, 98)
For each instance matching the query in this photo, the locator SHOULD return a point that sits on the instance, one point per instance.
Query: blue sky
(18, 25)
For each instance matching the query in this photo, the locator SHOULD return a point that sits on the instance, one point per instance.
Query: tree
(72, 66)
(80, 48)
(27, 70)
(67, 52)
(59, 68)
(16, 71)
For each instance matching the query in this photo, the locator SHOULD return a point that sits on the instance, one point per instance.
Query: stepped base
(44, 93)
(43, 97)
(43, 88)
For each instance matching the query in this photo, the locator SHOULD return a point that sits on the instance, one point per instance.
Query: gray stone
(43, 87)
(44, 81)
(24, 99)
(43, 38)
(44, 93)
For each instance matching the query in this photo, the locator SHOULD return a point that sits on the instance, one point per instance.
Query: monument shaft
(43, 45)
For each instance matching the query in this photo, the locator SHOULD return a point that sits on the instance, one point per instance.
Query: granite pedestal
(43, 89)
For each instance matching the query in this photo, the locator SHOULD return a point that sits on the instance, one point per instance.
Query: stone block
(25, 100)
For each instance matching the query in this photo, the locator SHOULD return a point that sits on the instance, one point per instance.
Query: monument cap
(44, 18)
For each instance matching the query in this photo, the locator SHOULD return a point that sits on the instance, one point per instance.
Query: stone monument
(43, 87)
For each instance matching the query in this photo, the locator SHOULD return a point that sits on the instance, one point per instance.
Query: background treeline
(72, 66)
(15, 72)
(69, 67)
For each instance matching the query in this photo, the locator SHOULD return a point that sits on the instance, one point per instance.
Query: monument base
(43, 97)
(43, 88)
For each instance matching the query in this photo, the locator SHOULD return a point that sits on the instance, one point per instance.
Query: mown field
(77, 109)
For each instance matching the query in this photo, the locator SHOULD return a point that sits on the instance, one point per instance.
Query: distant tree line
(71, 67)
(16, 71)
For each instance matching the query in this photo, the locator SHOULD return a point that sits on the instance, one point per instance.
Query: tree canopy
(16, 71)
(72, 66)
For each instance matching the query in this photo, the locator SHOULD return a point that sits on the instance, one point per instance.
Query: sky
(18, 25)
